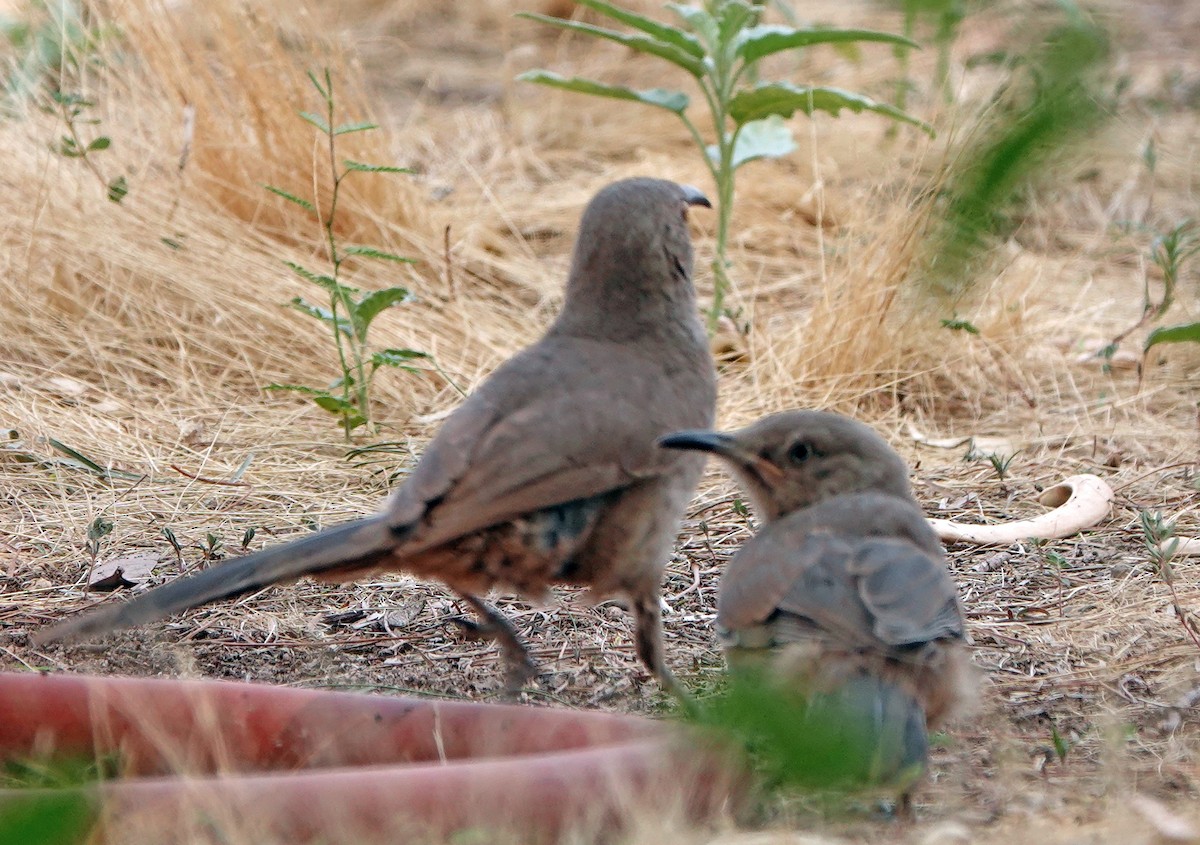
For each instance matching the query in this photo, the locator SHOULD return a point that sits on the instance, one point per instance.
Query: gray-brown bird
(549, 472)
(843, 595)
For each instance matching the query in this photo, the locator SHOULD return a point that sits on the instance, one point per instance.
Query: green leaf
(1174, 334)
(101, 143)
(957, 325)
(653, 28)
(316, 120)
(347, 128)
(374, 168)
(759, 41)
(322, 314)
(372, 252)
(785, 99)
(732, 19)
(675, 101)
(641, 43)
(317, 84)
(78, 460)
(373, 304)
(397, 358)
(118, 189)
(766, 138)
(701, 22)
(327, 282)
(303, 203)
(348, 411)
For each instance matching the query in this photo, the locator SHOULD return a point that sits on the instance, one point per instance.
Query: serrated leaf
(1174, 334)
(347, 128)
(641, 43)
(701, 22)
(785, 99)
(374, 168)
(759, 41)
(372, 252)
(303, 203)
(766, 138)
(674, 101)
(653, 28)
(733, 17)
(372, 305)
(101, 143)
(316, 120)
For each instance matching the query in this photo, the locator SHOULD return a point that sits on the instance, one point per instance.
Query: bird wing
(566, 419)
(828, 567)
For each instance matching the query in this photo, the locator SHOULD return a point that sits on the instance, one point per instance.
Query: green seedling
(1170, 251)
(351, 310)
(97, 531)
(1158, 537)
(1000, 464)
(211, 547)
(719, 44)
(71, 110)
(175, 545)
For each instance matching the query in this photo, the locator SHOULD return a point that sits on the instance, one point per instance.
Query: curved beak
(725, 446)
(693, 196)
(700, 440)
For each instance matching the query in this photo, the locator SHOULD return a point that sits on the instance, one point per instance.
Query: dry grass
(151, 358)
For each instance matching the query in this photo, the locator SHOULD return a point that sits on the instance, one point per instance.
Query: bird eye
(800, 452)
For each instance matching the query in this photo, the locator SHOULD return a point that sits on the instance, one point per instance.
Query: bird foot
(493, 626)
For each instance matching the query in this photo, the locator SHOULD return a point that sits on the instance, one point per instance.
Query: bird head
(795, 459)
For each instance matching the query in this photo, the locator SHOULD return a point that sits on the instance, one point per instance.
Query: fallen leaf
(123, 571)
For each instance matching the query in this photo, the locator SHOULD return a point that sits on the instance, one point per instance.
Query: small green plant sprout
(719, 43)
(351, 310)
(248, 537)
(1158, 536)
(175, 545)
(1000, 463)
(1170, 251)
(954, 324)
(212, 547)
(71, 110)
(97, 531)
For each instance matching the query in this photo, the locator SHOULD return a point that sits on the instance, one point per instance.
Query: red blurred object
(303, 765)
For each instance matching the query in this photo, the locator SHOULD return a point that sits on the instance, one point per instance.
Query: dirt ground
(155, 368)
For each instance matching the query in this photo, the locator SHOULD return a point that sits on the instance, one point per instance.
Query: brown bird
(843, 596)
(549, 472)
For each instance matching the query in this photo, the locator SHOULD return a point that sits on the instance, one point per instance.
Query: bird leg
(493, 626)
(647, 625)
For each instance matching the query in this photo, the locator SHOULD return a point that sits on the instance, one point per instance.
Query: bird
(843, 596)
(548, 473)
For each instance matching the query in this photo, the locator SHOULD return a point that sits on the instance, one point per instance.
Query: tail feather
(353, 543)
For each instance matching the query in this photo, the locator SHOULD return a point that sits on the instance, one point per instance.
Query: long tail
(355, 543)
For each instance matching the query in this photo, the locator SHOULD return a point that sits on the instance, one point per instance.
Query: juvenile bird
(548, 473)
(843, 596)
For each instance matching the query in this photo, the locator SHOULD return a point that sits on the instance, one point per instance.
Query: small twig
(450, 286)
(204, 480)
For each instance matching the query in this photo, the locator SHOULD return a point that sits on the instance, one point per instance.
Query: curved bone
(1187, 547)
(1079, 502)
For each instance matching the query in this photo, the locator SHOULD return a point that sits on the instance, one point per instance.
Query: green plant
(1000, 463)
(945, 15)
(70, 109)
(97, 531)
(1050, 103)
(1170, 251)
(719, 44)
(351, 310)
(1158, 536)
(47, 40)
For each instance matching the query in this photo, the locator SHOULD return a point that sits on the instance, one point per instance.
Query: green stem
(339, 294)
